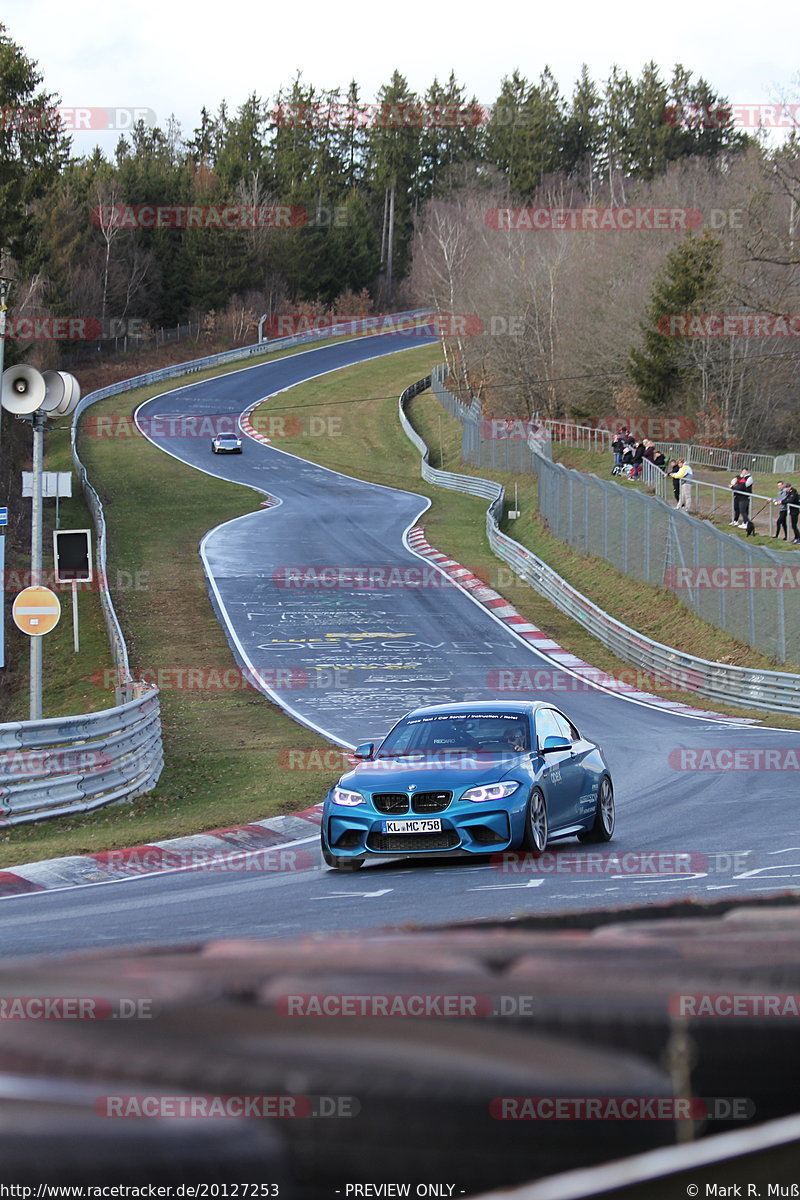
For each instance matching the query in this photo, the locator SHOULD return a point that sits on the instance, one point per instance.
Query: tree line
(362, 172)
(393, 196)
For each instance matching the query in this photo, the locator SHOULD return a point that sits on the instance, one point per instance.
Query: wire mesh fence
(751, 592)
(504, 444)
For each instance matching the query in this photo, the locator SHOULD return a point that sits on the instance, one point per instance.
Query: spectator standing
(638, 455)
(794, 512)
(742, 487)
(685, 474)
(788, 500)
(618, 447)
(659, 460)
(676, 484)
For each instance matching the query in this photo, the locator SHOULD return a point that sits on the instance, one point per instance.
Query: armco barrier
(774, 691)
(64, 765)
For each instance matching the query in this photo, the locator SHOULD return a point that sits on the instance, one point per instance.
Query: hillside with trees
(395, 197)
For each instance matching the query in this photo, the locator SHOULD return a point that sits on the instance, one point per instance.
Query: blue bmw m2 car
(473, 778)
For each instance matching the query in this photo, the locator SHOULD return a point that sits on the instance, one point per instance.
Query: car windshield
(457, 733)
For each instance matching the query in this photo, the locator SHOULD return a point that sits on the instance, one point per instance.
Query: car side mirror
(364, 750)
(553, 743)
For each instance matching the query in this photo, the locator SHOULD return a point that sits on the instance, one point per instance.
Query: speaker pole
(4, 286)
(39, 421)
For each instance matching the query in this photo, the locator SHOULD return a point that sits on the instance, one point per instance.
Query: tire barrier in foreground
(476, 1057)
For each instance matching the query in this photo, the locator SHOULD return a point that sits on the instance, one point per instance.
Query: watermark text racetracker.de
(734, 758)
(78, 760)
(75, 1008)
(621, 1108)
(440, 324)
(738, 116)
(744, 1004)
(209, 425)
(739, 325)
(404, 115)
(732, 578)
(75, 118)
(14, 581)
(656, 863)
(227, 679)
(513, 680)
(146, 860)
(658, 429)
(594, 219)
(360, 578)
(72, 329)
(192, 1107)
(199, 216)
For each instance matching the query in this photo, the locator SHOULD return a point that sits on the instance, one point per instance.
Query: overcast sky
(175, 59)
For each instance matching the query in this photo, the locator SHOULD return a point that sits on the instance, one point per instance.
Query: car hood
(398, 774)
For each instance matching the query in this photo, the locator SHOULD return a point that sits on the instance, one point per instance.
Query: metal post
(39, 420)
(4, 286)
(76, 641)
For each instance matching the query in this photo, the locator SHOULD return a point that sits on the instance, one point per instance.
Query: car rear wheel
(536, 822)
(603, 828)
(339, 862)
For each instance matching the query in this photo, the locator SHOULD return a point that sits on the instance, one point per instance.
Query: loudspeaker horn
(23, 390)
(62, 393)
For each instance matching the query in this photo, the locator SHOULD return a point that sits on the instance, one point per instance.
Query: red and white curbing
(246, 425)
(219, 849)
(542, 642)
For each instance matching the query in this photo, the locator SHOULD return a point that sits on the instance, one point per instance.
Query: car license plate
(426, 825)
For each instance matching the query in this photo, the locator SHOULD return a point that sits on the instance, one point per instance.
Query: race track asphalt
(349, 660)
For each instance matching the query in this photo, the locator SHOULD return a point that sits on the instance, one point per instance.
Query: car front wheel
(536, 822)
(605, 816)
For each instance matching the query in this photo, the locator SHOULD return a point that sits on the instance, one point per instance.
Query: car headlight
(349, 799)
(491, 791)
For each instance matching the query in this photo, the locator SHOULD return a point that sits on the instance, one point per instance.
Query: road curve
(349, 661)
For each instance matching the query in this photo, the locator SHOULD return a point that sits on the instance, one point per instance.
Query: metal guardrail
(773, 691)
(66, 765)
(584, 437)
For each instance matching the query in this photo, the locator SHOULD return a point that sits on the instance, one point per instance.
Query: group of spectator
(788, 502)
(630, 453)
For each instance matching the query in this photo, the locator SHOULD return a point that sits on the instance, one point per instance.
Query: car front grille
(430, 802)
(403, 843)
(390, 802)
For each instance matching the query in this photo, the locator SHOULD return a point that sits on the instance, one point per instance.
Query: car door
(561, 775)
